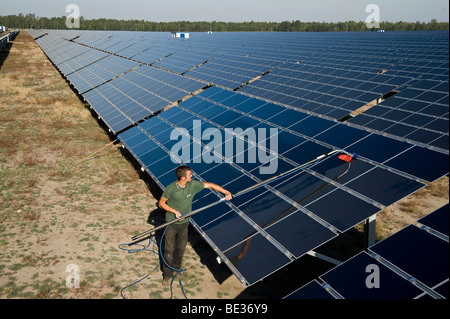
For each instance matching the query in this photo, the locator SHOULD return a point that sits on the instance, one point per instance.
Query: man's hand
(178, 215)
(167, 208)
(228, 196)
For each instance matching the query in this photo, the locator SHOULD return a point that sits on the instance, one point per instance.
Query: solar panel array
(419, 112)
(4, 39)
(121, 91)
(216, 102)
(411, 264)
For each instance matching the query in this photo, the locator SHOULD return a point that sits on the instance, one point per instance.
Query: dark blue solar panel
(161, 166)
(218, 230)
(311, 126)
(383, 186)
(115, 119)
(440, 125)
(247, 254)
(287, 118)
(423, 136)
(306, 152)
(418, 253)
(224, 118)
(81, 60)
(379, 124)
(426, 164)
(438, 220)
(350, 278)
(302, 187)
(312, 290)
(342, 210)
(299, 233)
(99, 72)
(400, 130)
(263, 207)
(441, 142)
(341, 136)
(263, 111)
(211, 215)
(379, 148)
(287, 141)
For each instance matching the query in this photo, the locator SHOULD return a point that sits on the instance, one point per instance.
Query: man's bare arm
(167, 208)
(216, 187)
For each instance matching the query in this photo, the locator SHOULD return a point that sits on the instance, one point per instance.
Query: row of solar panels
(293, 215)
(267, 229)
(331, 87)
(411, 264)
(122, 92)
(4, 39)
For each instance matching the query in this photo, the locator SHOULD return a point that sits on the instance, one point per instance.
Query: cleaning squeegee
(347, 158)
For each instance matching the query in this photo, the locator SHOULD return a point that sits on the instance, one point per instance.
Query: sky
(236, 10)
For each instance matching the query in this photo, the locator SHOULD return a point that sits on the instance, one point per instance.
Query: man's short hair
(181, 171)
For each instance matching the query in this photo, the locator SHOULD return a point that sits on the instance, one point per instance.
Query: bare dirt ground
(59, 207)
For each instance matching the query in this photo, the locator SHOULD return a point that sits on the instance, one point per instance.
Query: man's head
(184, 172)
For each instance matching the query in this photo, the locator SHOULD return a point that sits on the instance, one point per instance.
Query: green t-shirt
(180, 198)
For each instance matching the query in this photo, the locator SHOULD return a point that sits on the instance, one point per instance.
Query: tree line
(31, 21)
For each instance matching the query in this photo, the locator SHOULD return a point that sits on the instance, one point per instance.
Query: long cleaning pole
(260, 184)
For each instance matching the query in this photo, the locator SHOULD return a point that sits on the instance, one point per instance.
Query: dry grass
(408, 210)
(56, 209)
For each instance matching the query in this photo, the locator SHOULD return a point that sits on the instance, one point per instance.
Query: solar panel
(182, 61)
(209, 90)
(139, 93)
(110, 113)
(418, 253)
(312, 290)
(334, 199)
(410, 264)
(100, 72)
(438, 220)
(350, 281)
(315, 90)
(81, 60)
(227, 72)
(418, 112)
(10, 36)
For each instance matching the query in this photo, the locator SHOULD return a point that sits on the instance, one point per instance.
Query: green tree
(30, 20)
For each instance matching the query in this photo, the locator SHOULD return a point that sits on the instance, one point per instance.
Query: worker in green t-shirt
(177, 201)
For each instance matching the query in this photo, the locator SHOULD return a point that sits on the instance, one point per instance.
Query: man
(177, 201)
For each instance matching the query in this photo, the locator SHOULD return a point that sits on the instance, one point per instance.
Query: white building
(184, 35)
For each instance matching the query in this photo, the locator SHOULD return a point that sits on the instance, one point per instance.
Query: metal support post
(370, 231)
